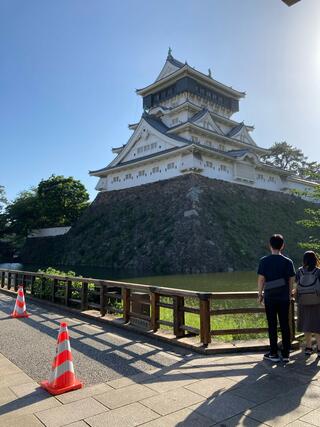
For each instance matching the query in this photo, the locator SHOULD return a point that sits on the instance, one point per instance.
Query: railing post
(33, 278)
(103, 300)
(16, 277)
(53, 289)
(24, 283)
(205, 329)
(178, 316)
(126, 293)
(84, 296)
(9, 280)
(68, 292)
(292, 322)
(42, 287)
(155, 310)
(3, 275)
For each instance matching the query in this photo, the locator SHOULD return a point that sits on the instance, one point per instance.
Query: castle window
(223, 168)
(208, 143)
(129, 176)
(175, 120)
(141, 173)
(140, 150)
(194, 139)
(272, 179)
(260, 176)
(115, 179)
(209, 164)
(146, 147)
(153, 145)
(155, 169)
(170, 165)
(222, 147)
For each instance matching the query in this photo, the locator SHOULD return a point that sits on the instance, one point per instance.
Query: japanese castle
(187, 127)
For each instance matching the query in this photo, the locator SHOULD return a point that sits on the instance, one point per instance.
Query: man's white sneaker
(272, 357)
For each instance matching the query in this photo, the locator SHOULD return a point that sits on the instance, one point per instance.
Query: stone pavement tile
(172, 401)
(229, 369)
(212, 386)
(33, 388)
(127, 416)
(185, 418)
(67, 414)
(199, 373)
(77, 424)
(307, 396)
(246, 374)
(21, 421)
(6, 395)
(14, 379)
(241, 421)
(169, 381)
(266, 388)
(28, 404)
(115, 398)
(7, 367)
(201, 361)
(222, 407)
(312, 417)
(83, 393)
(299, 423)
(138, 378)
(278, 412)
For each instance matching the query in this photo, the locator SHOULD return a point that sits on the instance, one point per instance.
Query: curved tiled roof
(175, 62)
(235, 130)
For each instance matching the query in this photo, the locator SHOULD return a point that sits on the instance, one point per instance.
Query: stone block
(172, 401)
(127, 416)
(116, 398)
(67, 414)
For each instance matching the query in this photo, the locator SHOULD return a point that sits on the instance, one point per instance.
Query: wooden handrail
(164, 291)
(123, 298)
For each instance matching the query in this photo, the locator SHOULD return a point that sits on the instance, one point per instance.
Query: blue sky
(69, 70)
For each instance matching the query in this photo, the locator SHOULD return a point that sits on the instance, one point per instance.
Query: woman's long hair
(310, 260)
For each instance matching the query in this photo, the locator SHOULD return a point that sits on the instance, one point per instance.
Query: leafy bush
(45, 284)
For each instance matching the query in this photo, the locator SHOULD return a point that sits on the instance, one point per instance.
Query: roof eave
(188, 124)
(189, 70)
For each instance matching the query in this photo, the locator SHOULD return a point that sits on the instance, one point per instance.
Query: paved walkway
(181, 390)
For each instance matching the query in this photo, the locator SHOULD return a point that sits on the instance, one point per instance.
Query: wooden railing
(122, 299)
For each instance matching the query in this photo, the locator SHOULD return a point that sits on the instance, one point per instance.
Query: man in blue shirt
(276, 276)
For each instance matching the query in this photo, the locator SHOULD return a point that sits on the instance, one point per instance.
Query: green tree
(310, 171)
(3, 198)
(62, 200)
(3, 218)
(57, 201)
(312, 222)
(285, 156)
(23, 213)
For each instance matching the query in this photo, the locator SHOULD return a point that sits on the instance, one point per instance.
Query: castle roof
(180, 70)
(235, 130)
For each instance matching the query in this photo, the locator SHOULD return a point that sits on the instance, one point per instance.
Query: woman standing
(308, 296)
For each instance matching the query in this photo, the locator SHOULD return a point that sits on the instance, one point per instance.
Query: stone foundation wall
(188, 224)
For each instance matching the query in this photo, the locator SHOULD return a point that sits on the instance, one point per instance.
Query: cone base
(55, 391)
(20, 316)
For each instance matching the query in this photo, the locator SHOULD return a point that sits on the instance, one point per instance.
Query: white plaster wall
(147, 149)
(149, 176)
(49, 232)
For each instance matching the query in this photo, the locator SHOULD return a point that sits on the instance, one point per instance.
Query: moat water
(210, 282)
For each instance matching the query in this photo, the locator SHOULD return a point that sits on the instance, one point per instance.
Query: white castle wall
(205, 165)
(48, 232)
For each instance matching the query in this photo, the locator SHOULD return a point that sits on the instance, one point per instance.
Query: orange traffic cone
(62, 377)
(20, 309)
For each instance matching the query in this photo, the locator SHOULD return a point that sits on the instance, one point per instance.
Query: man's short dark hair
(276, 241)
